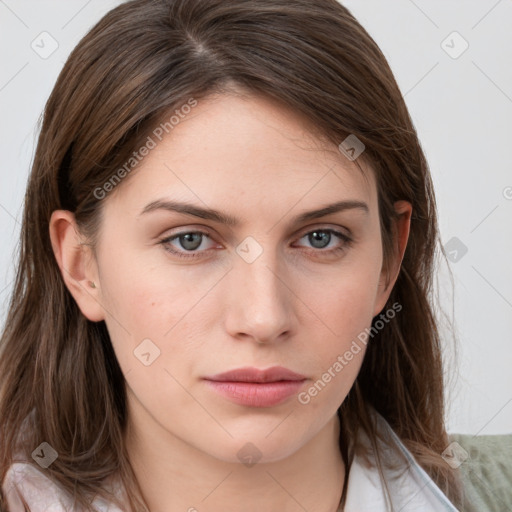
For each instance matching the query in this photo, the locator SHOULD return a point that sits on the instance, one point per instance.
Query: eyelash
(347, 242)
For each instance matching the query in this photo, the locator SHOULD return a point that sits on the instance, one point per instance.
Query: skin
(296, 305)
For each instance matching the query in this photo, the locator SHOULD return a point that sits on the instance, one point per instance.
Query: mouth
(257, 388)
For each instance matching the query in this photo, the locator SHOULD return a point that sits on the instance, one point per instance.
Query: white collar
(411, 489)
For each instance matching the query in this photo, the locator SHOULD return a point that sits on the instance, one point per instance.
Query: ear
(389, 274)
(77, 264)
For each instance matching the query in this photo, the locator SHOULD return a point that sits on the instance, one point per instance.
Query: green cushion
(487, 472)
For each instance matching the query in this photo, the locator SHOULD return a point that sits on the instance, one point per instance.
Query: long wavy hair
(139, 63)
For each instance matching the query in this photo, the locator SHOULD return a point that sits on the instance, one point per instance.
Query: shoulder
(410, 487)
(26, 486)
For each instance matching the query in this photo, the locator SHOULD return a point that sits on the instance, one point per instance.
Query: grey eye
(190, 241)
(319, 239)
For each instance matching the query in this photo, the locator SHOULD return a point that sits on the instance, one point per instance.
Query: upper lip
(249, 374)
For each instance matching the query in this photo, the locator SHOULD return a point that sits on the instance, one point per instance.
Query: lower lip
(265, 394)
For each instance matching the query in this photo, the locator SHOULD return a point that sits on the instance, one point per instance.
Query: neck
(176, 476)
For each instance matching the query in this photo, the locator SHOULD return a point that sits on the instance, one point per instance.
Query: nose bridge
(261, 306)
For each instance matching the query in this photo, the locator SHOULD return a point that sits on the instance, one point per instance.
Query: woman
(223, 294)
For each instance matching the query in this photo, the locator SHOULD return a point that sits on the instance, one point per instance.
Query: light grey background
(461, 104)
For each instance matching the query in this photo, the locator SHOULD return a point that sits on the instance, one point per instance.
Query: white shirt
(411, 489)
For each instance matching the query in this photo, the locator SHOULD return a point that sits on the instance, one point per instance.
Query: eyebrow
(229, 220)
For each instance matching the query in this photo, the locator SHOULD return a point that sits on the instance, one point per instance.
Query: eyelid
(324, 227)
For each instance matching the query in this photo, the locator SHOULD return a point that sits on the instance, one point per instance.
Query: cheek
(344, 301)
(346, 314)
(153, 333)
(137, 290)
(156, 302)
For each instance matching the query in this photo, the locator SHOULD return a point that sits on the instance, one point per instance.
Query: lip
(257, 388)
(251, 374)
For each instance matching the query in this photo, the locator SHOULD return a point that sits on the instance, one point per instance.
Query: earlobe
(76, 263)
(400, 238)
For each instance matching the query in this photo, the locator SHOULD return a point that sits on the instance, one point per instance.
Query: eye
(327, 240)
(323, 241)
(187, 241)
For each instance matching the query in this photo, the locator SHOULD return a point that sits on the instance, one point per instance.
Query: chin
(255, 448)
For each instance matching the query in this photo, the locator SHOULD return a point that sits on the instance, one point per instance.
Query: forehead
(244, 151)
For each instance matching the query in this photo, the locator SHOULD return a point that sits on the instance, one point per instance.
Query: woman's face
(270, 289)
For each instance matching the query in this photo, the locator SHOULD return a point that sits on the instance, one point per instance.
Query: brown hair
(140, 62)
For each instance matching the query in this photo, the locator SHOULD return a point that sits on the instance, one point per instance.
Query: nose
(260, 305)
